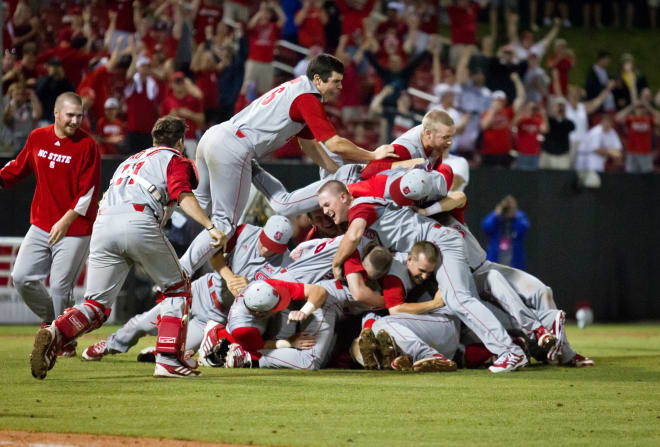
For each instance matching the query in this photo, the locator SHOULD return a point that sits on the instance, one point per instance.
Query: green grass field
(615, 403)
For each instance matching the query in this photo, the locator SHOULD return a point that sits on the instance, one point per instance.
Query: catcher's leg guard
(78, 320)
(171, 339)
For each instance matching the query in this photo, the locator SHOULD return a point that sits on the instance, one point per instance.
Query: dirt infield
(36, 439)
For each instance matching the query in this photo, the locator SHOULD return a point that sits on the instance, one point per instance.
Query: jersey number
(124, 174)
(268, 97)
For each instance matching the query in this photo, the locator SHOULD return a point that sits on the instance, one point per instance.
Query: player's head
(437, 131)
(169, 131)
(68, 113)
(377, 261)
(416, 184)
(274, 236)
(326, 73)
(335, 200)
(262, 299)
(324, 225)
(423, 259)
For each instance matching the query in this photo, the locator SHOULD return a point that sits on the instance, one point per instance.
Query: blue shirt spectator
(506, 227)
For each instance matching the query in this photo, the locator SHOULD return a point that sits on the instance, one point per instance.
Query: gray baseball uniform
(224, 157)
(399, 228)
(211, 298)
(301, 200)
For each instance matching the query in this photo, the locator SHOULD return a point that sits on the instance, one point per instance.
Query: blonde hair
(435, 117)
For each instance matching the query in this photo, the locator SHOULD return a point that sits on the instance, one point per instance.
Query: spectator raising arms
(639, 120)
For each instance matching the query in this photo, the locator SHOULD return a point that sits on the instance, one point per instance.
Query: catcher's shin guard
(75, 321)
(171, 339)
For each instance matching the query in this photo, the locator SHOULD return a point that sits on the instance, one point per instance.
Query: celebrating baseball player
(67, 166)
(292, 109)
(128, 230)
(252, 253)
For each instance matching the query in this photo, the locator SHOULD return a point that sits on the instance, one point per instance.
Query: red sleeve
(231, 244)
(295, 289)
(305, 133)
(376, 166)
(393, 291)
(308, 109)
(19, 168)
(89, 181)
(366, 211)
(179, 173)
(509, 113)
(448, 173)
(353, 264)
(250, 339)
(374, 187)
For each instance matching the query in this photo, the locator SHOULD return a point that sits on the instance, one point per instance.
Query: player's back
(245, 259)
(131, 181)
(266, 122)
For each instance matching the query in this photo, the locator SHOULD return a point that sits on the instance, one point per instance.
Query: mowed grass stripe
(616, 402)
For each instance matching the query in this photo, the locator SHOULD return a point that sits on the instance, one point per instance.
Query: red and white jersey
(312, 260)
(270, 120)
(163, 168)
(397, 283)
(398, 228)
(410, 145)
(68, 173)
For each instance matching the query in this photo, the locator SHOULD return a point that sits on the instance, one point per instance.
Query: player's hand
(303, 341)
(219, 239)
(515, 77)
(236, 284)
(438, 301)
(338, 272)
(419, 210)
(58, 231)
(384, 151)
(296, 315)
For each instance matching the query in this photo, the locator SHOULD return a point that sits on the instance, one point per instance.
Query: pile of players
(389, 248)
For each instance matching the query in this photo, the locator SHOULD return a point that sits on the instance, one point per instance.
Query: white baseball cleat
(508, 361)
(579, 361)
(209, 340)
(237, 357)
(95, 352)
(179, 371)
(558, 332)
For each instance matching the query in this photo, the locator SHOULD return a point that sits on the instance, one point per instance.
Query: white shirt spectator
(578, 115)
(461, 169)
(596, 139)
(522, 54)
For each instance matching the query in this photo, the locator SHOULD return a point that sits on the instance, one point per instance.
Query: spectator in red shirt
(497, 140)
(532, 122)
(206, 70)
(263, 32)
(184, 105)
(311, 20)
(207, 13)
(463, 15)
(110, 130)
(562, 60)
(353, 12)
(141, 95)
(66, 164)
(639, 119)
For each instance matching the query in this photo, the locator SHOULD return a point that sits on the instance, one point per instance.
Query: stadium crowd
(133, 61)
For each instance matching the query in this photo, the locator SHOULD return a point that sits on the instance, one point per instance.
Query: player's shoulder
(43, 131)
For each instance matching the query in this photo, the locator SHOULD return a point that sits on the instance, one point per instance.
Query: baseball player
(252, 253)
(128, 230)
(67, 166)
(225, 151)
(398, 229)
(423, 332)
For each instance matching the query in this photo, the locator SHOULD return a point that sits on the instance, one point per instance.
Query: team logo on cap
(278, 236)
(406, 190)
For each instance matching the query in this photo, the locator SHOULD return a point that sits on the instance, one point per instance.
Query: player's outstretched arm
(316, 296)
(347, 150)
(419, 308)
(188, 203)
(348, 245)
(362, 293)
(454, 199)
(314, 151)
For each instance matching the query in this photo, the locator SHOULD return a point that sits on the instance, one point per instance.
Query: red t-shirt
(527, 138)
(170, 45)
(311, 31)
(188, 102)
(207, 81)
(142, 111)
(563, 66)
(463, 23)
(124, 10)
(68, 173)
(640, 134)
(207, 15)
(307, 109)
(105, 129)
(262, 42)
(497, 138)
(352, 17)
(351, 92)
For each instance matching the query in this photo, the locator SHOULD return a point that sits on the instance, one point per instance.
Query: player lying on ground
(252, 253)
(128, 230)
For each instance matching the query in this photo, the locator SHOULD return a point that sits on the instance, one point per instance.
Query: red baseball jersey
(68, 172)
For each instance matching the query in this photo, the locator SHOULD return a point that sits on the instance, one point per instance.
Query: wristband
(433, 209)
(282, 344)
(308, 308)
(210, 228)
